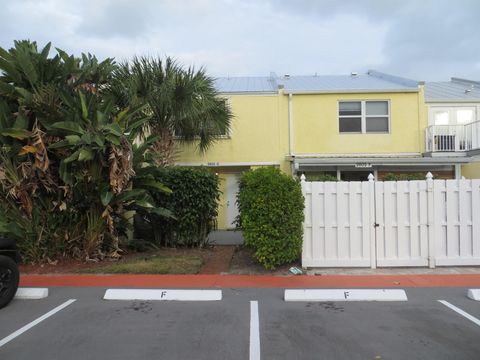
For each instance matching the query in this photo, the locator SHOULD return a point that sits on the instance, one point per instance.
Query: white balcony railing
(453, 137)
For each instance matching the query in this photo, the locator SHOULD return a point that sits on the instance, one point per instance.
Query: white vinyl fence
(392, 223)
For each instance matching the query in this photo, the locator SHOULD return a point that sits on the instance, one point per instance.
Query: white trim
(290, 124)
(345, 295)
(227, 164)
(358, 155)
(349, 91)
(35, 322)
(253, 93)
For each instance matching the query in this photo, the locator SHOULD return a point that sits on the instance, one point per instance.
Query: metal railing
(452, 137)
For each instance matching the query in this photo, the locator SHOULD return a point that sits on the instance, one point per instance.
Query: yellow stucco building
(345, 126)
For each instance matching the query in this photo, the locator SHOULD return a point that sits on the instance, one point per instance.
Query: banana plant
(67, 153)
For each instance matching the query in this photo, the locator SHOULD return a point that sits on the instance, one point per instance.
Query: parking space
(90, 327)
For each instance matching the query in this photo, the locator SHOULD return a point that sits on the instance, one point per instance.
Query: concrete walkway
(225, 237)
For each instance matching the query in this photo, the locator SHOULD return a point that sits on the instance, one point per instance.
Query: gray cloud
(424, 40)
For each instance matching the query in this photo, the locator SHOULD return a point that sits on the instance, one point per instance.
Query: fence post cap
(303, 178)
(371, 177)
(429, 176)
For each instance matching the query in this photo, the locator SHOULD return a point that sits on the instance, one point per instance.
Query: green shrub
(403, 177)
(321, 177)
(271, 215)
(193, 204)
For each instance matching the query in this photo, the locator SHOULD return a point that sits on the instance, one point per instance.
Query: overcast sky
(420, 39)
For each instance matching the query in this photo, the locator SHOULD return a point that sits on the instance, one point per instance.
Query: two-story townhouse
(347, 126)
(258, 136)
(350, 126)
(454, 122)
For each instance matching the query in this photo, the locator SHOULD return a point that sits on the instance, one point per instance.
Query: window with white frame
(363, 116)
(455, 115)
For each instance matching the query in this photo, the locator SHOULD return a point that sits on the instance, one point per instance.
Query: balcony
(452, 138)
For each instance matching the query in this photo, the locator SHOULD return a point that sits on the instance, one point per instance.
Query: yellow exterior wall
(259, 133)
(471, 171)
(315, 119)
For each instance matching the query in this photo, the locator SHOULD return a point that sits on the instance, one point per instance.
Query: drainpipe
(290, 131)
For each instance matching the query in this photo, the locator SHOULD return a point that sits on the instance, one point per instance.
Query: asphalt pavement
(76, 323)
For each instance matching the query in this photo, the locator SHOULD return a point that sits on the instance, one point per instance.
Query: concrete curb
(345, 295)
(163, 295)
(31, 293)
(474, 294)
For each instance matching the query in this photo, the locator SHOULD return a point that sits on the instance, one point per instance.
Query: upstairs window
(363, 117)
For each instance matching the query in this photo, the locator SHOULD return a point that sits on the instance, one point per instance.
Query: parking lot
(76, 323)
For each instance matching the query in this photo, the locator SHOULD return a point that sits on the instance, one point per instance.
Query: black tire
(9, 278)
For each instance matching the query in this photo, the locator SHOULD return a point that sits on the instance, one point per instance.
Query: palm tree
(181, 103)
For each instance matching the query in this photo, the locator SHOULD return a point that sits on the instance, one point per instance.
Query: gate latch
(376, 224)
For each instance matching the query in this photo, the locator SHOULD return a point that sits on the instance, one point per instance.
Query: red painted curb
(254, 281)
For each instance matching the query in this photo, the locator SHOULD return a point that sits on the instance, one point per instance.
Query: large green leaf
(69, 126)
(106, 197)
(73, 139)
(16, 133)
(72, 157)
(59, 144)
(21, 122)
(86, 155)
(157, 185)
(163, 212)
(134, 194)
(113, 129)
(84, 105)
(65, 173)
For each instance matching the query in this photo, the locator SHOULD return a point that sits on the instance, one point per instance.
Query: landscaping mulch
(219, 259)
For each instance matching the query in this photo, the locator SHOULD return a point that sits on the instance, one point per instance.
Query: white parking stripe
(35, 322)
(254, 331)
(461, 312)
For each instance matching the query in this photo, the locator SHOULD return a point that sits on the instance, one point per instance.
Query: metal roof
(455, 90)
(372, 81)
(246, 84)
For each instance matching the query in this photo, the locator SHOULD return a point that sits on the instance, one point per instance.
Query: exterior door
(231, 198)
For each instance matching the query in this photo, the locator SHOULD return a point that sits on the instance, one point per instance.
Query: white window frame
(452, 113)
(363, 116)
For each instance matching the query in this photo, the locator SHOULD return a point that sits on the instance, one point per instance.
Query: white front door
(231, 192)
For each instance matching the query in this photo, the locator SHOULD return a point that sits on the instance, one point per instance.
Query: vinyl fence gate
(391, 223)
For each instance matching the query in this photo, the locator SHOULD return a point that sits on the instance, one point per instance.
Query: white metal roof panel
(369, 82)
(246, 84)
(453, 91)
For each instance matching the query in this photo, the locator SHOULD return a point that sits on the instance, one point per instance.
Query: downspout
(290, 132)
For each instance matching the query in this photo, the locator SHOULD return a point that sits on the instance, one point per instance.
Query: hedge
(193, 203)
(271, 215)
